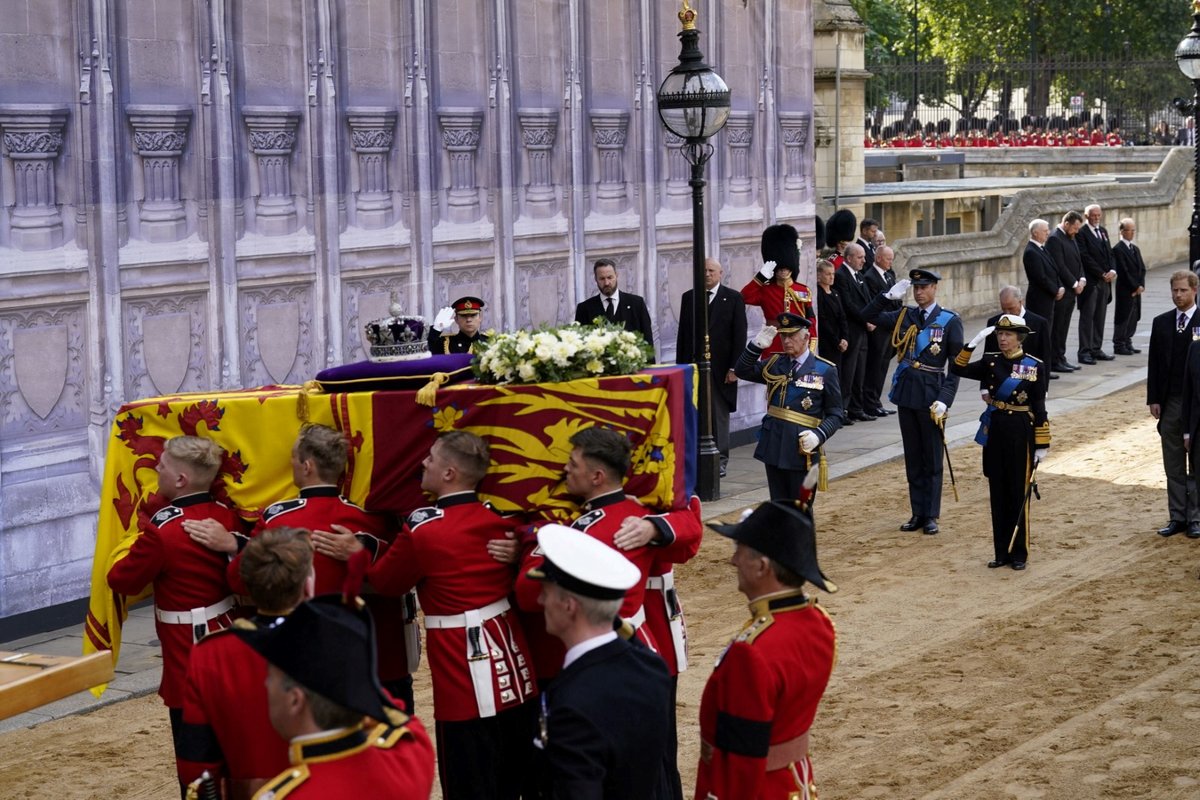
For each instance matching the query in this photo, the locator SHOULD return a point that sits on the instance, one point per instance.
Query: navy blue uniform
(920, 380)
(811, 390)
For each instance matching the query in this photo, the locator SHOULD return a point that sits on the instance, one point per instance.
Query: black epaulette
(165, 515)
(283, 507)
(588, 520)
(423, 515)
(284, 783)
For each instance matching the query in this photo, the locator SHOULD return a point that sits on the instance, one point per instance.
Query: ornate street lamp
(693, 103)
(1187, 55)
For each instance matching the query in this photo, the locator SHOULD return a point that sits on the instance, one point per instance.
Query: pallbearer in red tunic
(761, 699)
(191, 595)
(321, 684)
(479, 661)
(319, 458)
(226, 728)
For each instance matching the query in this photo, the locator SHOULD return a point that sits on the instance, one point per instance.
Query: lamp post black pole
(708, 479)
(1194, 228)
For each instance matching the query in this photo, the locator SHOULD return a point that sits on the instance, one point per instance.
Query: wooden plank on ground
(29, 680)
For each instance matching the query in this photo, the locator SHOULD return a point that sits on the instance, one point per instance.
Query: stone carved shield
(278, 338)
(544, 294)
(40, 358)
(167, 344)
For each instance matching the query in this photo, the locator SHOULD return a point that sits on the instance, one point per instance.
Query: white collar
(587, 646)
(1188, 311)
(616, 298)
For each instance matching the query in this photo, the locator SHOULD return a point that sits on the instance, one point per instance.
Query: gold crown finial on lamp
(687, 16)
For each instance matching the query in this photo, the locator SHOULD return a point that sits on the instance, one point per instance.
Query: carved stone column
(372, 131)
(539, 128)
(609, 133)
(272, 140)
(33, 139)
(160, 137)
(795, 126)
(678, 194)
(739, 131)
(460, 137)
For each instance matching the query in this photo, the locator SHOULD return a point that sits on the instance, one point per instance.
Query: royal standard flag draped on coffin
(528, 428)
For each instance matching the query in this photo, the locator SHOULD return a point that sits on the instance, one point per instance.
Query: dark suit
(1095, 253)
(1043, 286)
(834, 325)
(879, 341)
(726, 337)
(1131, 275)
(605, 719)
(1164, 387)
(630, 312)
(1065, 253)
(1037, 343)
(855, 297)
(1191, 407)
(920, 380)
(869, 251)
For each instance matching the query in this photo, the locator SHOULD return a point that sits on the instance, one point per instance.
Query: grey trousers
(1181, 487)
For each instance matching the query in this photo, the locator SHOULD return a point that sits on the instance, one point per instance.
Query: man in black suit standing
(855, 296)
(603, 725)
(866, 240)
(622, 307)
(1045, 289)
(726, 338)
(1095, 252)
(1171, 333)
(1131, 282)
(879, 279)
(1037, 343)
(1062, 248)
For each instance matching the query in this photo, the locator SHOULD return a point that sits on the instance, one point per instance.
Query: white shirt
(616, 300)
(586, 646)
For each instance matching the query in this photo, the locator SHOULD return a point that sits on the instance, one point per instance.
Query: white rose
(526, 371)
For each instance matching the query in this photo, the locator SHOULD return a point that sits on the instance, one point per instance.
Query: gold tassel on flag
(427, 394)
(309, 387)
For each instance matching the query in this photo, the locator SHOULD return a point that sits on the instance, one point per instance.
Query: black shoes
(1173, 527)
(846, 421)
(931, 526)
(882, 412)
(1054, 376)
(1100, 355)
(1087, 359)
(1063, 366)
(997, 564)
(862, 416)
(1193, 531)
(1126, 350)
(913, 523)
(1018, 565)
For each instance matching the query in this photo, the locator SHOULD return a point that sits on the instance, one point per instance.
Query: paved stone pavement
(850, 450)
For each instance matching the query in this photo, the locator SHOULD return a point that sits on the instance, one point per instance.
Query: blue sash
(923, 336)
(1003, 393)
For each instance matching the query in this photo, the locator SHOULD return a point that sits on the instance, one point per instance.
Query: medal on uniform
(1022, 396)
(806, 403)
(935, 336)
(1196, 334)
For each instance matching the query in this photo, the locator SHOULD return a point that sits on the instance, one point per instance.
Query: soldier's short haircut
(606, 447)
(469, 453)
(201, 457)
(327, 714)
(325, 447)
(604, 262)
(1072, 216)
(275, 564)
(1185, 275)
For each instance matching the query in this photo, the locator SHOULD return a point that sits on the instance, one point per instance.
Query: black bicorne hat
(783, 533)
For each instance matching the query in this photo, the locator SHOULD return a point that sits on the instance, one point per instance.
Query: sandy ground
(1078, 678)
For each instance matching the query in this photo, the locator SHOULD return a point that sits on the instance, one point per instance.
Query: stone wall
(203, 194)
(974, 266)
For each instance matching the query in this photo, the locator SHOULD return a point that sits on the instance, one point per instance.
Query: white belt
(665, 584)
(490, 611)
(661, 583)
(638, 619)
(190, 617)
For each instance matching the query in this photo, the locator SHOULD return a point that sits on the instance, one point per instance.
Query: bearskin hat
(841, 227)
(779, 244)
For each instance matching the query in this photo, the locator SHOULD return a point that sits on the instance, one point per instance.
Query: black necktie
(608, 308)
(712, 295)
(922, 315)
(1182, 323)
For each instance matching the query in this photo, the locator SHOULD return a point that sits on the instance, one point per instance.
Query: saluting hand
(898, 289)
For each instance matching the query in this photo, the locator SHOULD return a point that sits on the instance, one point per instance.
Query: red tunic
(319, 508)
(226, 727)
(773, 300)
(442, 551)
(763, 694)
(686, 529)
(186, 575)
(358, 763)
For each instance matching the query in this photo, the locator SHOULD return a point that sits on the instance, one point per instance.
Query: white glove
(897, 291)
(1039, 455)
(444, 318)
(765, 336)
(767, 272)
(809, 441)
(937, 411)
(979, 337)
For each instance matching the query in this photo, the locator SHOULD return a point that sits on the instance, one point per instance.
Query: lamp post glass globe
(693, 105)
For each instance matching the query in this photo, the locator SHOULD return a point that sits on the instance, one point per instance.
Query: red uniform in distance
(773, 299)
(186, 575)
(357, 764)
(442, 551)
(762, 697)
(226, 726)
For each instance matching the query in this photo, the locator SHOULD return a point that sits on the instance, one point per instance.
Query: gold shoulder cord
(906, 342)
(775, 383)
